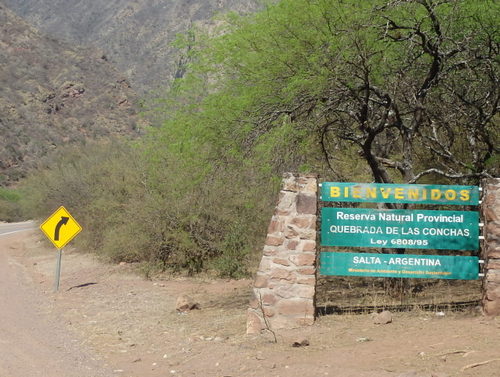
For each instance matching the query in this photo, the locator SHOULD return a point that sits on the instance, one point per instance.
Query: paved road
(11, 228)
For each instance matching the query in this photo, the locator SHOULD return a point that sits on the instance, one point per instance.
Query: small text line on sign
(415, 229)
(399, 265)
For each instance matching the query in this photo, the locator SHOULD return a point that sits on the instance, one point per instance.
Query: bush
(10, 209)
(136, 204)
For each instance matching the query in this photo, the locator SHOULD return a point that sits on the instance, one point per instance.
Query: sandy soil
(109, 321)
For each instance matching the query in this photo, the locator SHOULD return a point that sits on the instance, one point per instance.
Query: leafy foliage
(392, 90)
(9, 205)
(136, 209)
(411, 85)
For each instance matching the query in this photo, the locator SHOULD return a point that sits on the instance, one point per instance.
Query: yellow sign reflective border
(60, 227)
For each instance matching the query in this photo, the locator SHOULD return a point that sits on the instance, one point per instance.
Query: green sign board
(409, 229)
(399, 193)
(399, 265)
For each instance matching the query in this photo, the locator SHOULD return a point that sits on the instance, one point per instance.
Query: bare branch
(447, 175)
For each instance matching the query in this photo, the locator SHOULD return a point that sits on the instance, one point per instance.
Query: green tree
(9, 205)
(412, 87)
(390, 91)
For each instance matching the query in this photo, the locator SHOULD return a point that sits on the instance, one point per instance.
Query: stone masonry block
(493, 276)
(261, 281)
(291, 244)
(303, 259)
(269, 299)
(291, 231)
(290, 183)
(303, 221)
(493, 252)
(254, 304)
(282, 274)
(270, 250)
(279, 322)
(306, 280)
(255, 323)
(295, 307)
(286, 204)
(281, 261)
(308, 186)
(490, 215)
(284, 287)
(493, 292)
(284, 322)
(265, 263)
(299, 222)
(308, 245)
(306, 204)
(300, 182)
(493, 264)
(275, 226)
(295, 291)
(274, 240)
(307, 234)
(268, 311)
(491, 246)
(306, 271)
(492, 226)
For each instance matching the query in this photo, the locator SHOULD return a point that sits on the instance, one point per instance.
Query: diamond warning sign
(60, 227)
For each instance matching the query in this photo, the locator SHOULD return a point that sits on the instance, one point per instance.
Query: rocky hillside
(135, 34)
(53, 93)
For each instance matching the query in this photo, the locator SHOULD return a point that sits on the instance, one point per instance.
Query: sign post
(58, 270)
(60, 228)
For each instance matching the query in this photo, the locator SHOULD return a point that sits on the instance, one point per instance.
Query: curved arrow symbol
(63, 221)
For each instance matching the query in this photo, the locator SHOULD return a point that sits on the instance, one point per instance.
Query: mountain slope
(135, 34)
(53, 94)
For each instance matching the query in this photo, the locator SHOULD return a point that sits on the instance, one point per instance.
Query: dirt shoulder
(32, 341)
(130, 326)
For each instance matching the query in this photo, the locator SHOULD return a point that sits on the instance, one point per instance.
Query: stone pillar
(284, 288)
(490, 211)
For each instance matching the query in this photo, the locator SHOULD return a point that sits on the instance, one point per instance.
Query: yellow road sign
(60, 227)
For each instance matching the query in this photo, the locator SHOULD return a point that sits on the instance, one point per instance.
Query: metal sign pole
(60, 228)
(58, 270)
